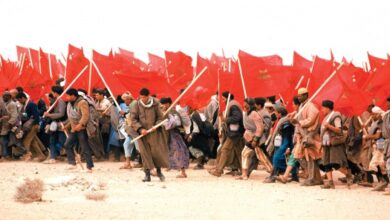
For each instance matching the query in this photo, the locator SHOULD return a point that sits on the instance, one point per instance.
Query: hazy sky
(350, 28)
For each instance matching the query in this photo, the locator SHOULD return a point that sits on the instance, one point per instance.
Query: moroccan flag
(126, 53)
(349, 100)
(321, 71)
(263, 80)
(179, 67)
(199, 94)
(32, 82)
(105, 64)
(273, 60)
(156, 64)
(156, 83)
(375, 62)
(9, 73)
(378, 86)
(300, 62)
(128, 62)
(76, 62)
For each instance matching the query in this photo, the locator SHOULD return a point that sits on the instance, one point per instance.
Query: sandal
(181, 176)
(126, 167)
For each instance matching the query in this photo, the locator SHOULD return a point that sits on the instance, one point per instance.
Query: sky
(310, 27)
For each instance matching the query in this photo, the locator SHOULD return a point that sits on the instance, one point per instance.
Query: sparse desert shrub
(30, 191)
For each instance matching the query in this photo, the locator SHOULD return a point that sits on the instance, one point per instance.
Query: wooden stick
(50, 70)
(149, 131)
(22, 64)
(89, 79)
(66, 89)
(186, 90)
(320, 88)
(105, 84)
(242, 77)
(77, 155)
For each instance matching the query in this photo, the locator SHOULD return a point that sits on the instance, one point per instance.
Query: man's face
(144, 98)
(165, 106)
(376, 116)
(22, 101)
(55, 95)
(246, 107)
(99, 96)
(325, 110)
(302, 98)
(128, 101)
(71, 98)
(224, 100)
(6, 97)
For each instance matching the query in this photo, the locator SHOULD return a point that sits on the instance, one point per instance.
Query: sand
(201, 196)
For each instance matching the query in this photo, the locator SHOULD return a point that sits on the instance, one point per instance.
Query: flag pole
(186, 90)
(242, 77)
(320, 88)
(22, 63)
(105, 84)
(89, 78)
(68, 87)
(50, 71)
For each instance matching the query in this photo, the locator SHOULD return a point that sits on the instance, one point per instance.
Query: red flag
(264, 80)
(301, 63)
(179, 67)
(156, 64)
(321, 71)
(273, 60)
(127, 53)
(76, 62)
(375, 62)
(198, 96)
(9, 73)
(105, 64)
(377, 85)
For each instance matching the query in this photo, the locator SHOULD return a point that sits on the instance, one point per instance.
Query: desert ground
(200, 196)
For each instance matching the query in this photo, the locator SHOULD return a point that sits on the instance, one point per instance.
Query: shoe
(312, 183)
(281, 179)
(386, 193)
(328, 185)
(51, 161)
(380, 187)
(365, 184)
(160, 175)
(349, 179)
(215, 173)
(270, 179)
(147, 176)
(198, 167)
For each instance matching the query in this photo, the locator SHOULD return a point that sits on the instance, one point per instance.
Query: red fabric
(126, 53)
(375, 62)
(76, 62)
(377, 85)
(349, 100)
(105, 65)
(156, 64)
(274, 60)
(321, 71)
(179, 67)
(300, 62)
(32, 81)
(199, 94)
(264, 80)
(9, 73)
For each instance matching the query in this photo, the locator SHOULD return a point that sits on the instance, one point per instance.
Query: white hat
(268, 105)
(377, 110)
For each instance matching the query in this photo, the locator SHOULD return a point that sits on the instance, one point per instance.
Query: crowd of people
(154, 134)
